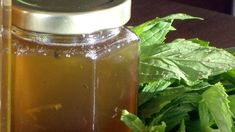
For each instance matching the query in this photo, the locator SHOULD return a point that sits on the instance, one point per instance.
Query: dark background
(217, 27)
(223, 6)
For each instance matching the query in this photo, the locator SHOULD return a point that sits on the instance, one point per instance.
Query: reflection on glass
(5, 22)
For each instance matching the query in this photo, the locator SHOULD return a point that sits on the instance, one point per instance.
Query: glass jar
(5, 65)
(73, 66)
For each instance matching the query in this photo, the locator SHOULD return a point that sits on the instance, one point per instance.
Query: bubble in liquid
(115, 112)
(41, 50)
(70, 52)
(91, 54)
(68, 55)
(20, 50)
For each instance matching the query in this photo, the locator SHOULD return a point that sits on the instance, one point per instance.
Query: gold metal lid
(70, 16)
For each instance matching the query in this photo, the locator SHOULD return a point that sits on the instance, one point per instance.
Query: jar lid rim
(109, 15)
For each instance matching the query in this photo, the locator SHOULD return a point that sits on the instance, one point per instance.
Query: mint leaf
(175, 93)
(215, 102)
(177, 110)
(231, 99)
(162, 98)
(183, 60)
(136, 125)
(157, 128)
(155, 31)
(182, 126)
(205, 118)
(231, 50)
(150, 90)
(230, 76)
(180, 16)
(159, 101)
(200, 42)
(133, 122)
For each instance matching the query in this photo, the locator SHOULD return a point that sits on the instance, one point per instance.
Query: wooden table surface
(217, 28)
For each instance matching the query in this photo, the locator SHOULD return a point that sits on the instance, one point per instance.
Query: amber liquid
(72, 89)
(5, 67)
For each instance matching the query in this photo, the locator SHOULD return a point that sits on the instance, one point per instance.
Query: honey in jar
(73, 66)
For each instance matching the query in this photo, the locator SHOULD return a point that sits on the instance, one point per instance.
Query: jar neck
(65, 40)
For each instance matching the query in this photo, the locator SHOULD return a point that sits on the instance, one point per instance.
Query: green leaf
(136, 125)
(159, 101)
(157, 128)
(133, 122)
(205, 117)
(165, 104)
(163, 98)
(151, 89)
(155, 31)
(230, 76)
(182, 126)
(231, 50)
(176, 111)
(231, 98)
(215, 100)
(193, 126)
(199, 41)
(180, 16)
(184, 60)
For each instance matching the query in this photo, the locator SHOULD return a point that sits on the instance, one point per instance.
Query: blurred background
(223, 6)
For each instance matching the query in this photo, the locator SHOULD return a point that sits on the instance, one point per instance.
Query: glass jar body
(72, 83)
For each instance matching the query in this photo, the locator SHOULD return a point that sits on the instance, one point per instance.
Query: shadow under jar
(73, 66)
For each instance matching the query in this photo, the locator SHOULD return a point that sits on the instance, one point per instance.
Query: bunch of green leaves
(185, 85)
